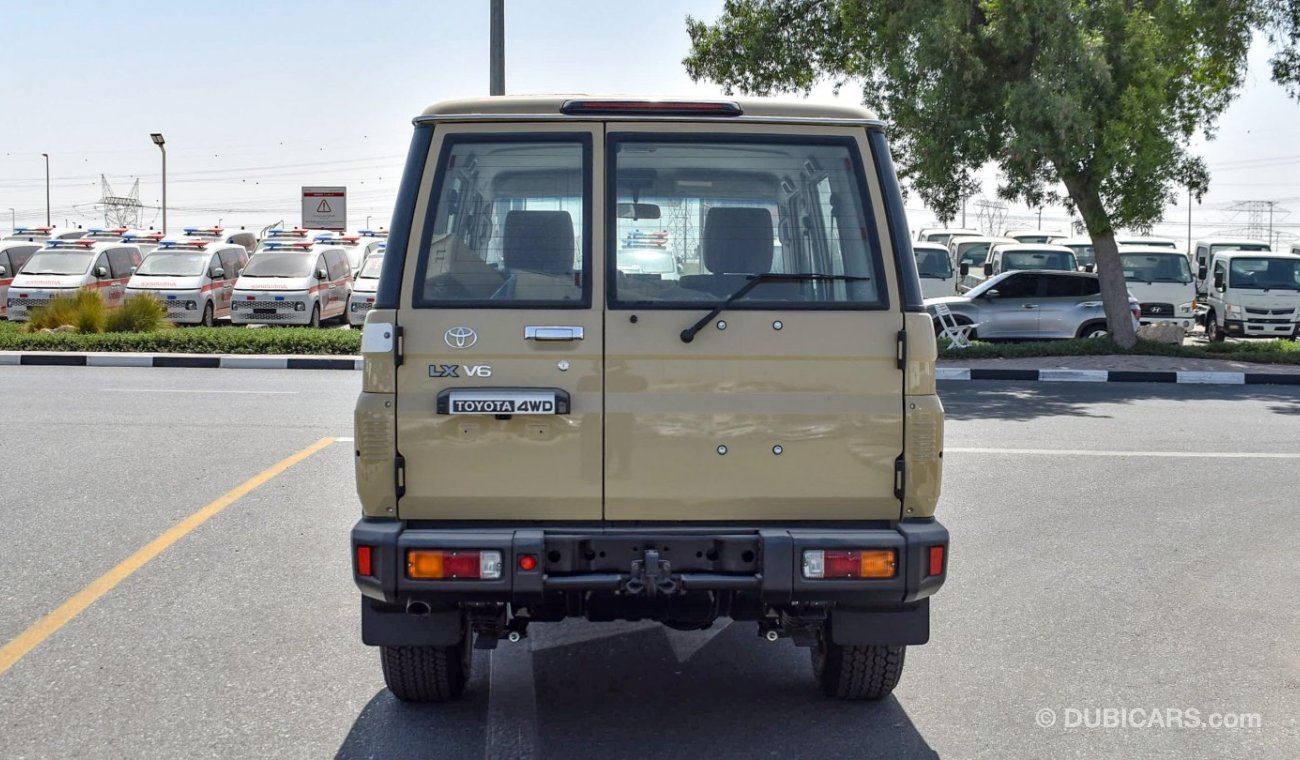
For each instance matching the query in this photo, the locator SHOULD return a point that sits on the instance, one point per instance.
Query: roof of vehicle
(1032, 248)
(1231, 241)
(953, 230)
(1146, 239)
(7, 244)
(550, 105)
(981, 239)
(1074, 241)
(1255, 255)
(1153, 249)
(928, 246)
(83, 244)
(1030, 231)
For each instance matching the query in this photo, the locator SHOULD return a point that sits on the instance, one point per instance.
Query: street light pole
(162, 146)
(47, 189)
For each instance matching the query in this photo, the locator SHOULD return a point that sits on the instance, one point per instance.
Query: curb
(1118, 376)
(188, 361)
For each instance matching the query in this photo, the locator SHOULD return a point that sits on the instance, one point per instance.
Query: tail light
(453, 564)
(850, 563)
(936, 561)
(364, 568)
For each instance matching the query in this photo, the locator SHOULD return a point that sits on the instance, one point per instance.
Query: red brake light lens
(936, 560)
(364, 568)
(527, 562)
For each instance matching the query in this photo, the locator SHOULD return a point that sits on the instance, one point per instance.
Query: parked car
(1083, 252)
(1252, 294)
(539, 438)
(13, 254)
(1204, 251)
(65, 266)
(41, 234)
(292, 284)
(1032, 304)
(935, 268)
(1161, 280)
(194, 279)
(1010, 258)
(972, 252)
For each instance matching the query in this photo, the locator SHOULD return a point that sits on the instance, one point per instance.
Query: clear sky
(257, 99)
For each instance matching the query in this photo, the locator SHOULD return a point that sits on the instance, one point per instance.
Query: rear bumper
(764, 564)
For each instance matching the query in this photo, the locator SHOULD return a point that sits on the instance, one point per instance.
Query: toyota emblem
(460, 337)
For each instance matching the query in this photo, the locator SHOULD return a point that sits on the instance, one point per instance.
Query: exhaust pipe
(419, 608)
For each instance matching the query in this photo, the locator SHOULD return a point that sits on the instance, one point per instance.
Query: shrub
(194, 340)
(84, 310)
(140, 314)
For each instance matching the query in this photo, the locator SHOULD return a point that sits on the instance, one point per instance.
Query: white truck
(968, 254)
(1251, 294)
(1161, 280)
(1204, 250)
(937, 275)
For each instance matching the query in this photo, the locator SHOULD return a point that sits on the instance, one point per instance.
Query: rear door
(787, 405)
(1066, 306)
(1014, 313)
(500, 390)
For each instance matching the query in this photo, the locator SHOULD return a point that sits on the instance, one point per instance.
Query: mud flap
(394, 627)
(906, 625)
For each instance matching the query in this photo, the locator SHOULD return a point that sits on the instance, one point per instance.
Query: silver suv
(1033, 304)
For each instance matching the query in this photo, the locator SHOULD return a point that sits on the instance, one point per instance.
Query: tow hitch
(651, 576)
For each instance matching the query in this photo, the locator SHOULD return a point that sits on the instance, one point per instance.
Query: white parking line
(195, 390)
(1102, 453)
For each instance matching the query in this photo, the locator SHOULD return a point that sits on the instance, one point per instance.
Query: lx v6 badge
(452, 370)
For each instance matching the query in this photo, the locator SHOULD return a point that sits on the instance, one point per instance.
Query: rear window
(509, 224)
(725, 209)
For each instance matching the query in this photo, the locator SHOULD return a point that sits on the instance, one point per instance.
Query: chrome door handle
(552, 332)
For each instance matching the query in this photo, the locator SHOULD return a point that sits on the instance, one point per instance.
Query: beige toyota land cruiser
(752, 433)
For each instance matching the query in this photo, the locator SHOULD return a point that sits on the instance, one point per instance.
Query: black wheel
(1094, 330)
(315, 316)
(427, 674)
(857, 672)
(1213, 332)
(207, 315)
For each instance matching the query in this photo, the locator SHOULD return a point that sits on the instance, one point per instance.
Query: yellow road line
(47, 626)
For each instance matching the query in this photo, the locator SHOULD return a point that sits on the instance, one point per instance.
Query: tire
(1094, 330)
(315, 316)
(1213, 333)
(857, 672)
(208, 318)
(427, 674)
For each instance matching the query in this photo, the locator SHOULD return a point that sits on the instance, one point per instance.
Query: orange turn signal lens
(877, 563)
(424, 564)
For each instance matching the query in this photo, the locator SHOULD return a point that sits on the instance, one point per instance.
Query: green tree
(1100, 97)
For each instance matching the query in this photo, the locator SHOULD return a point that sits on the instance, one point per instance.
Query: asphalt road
(1116, 573)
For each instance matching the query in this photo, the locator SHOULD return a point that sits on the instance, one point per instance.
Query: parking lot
(1115, 546)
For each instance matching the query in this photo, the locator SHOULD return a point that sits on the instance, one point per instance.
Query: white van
(935, 267)
(364, 288)
(292, 284)
(194, 279)
(968, 254)
(1204, 250)
(13, 254)
(355, 247)
(1007, 257)
(1146, 242)
(66, 266)
(41, 234)
(1252, 294)
(1161, 280)
(290, 235)
(1083, 252)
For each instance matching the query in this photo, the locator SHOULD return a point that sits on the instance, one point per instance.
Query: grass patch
(190, 340)
(1258, 351)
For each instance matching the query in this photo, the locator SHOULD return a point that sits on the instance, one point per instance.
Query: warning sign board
(325, 208)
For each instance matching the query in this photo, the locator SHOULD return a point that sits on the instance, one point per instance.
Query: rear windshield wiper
(755, 280)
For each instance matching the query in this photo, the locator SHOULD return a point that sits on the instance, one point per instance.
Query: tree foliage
(1100, 97)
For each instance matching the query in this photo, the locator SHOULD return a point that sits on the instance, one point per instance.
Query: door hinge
(399, 349)
(902, 349)
(399, 476)
(900, 476)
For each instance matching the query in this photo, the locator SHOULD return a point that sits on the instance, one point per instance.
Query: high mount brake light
(653, 107)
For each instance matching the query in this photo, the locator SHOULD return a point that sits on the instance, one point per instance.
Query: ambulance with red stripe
(194, 279)
(355, 247)
(293, 283)
(247, 239)
(13, 255)
(290, 235)
(365, 287)
(63, 267)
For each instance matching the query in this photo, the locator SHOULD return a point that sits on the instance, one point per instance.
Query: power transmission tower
(991, 215)
(1260, 216)
(121, 211)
